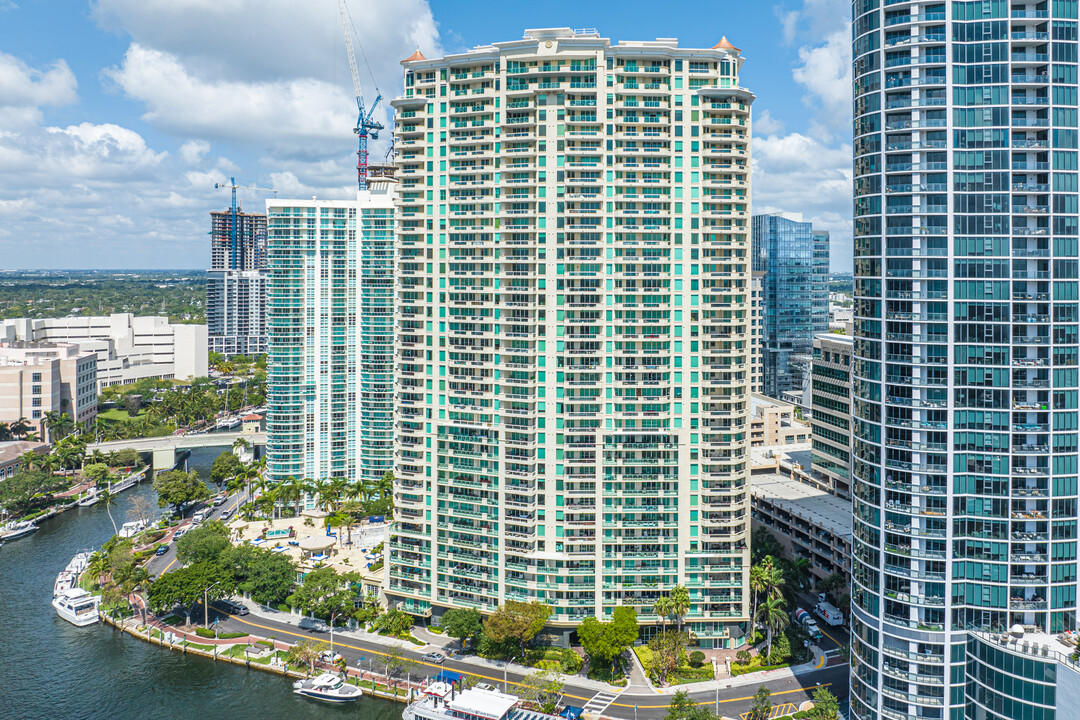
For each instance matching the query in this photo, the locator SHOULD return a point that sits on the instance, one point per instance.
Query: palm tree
(20, 428)
(797, 571)
(680, 603)
(30, 460)
(5, 432)
(98, 567)
(662, 608)
(772, 612)
(288, 491)
(385, 485)
(322, 490)
(109, 500)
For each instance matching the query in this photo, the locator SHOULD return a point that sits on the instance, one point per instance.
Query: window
(36, 390)
(36, 377)
(36, 402)
(35, 415)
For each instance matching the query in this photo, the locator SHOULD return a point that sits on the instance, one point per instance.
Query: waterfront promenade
(729, 697)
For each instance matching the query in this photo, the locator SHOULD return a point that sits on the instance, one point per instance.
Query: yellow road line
(511, 682)
(838, 643)
(822, 663)
(722, 701)
(377, 652)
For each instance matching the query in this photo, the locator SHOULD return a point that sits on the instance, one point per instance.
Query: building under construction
(236, 283)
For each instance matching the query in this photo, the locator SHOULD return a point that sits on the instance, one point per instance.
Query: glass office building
(965, 367)
(795, 299)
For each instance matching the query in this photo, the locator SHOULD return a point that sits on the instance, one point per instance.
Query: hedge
(230, 636)
(204, 632)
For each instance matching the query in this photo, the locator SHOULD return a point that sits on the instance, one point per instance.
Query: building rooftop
(13, 449)
(819, 507)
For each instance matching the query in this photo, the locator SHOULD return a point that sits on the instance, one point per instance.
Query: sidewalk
(435, 642)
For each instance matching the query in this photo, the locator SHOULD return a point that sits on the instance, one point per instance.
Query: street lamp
(332, 616)
(506, 684)
(206, 605)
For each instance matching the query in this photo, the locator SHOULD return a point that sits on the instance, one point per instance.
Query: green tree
(176, 487)
(680, 603)
(108, 500)
(667, 647)
(797, 573)
(205, 543)
(397, 623)
(543, 687)
(464, 624)
(267, 576)
(682, 707)
(184, 587)
(606, 642)
(307, 652)
(98, 473)
(771, 612)
(324, 593)
(27, 489)
(225, 466)
(662, 608)
(826, 706)
(517, 621)
(743, 656)
(762, 543)
(761, 706)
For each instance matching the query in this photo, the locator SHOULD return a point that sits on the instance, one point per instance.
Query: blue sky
(118, 116)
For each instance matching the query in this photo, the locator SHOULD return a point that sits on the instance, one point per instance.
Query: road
(630, 704)
(160, 564)
(649, 705)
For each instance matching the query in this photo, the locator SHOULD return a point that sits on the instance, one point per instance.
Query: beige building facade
(573, 330)
(39, 378)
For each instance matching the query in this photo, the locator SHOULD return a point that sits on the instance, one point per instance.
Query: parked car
(219, 500)
(433, 657)
(313, 625)
(232, 607)
(225, 515)
(161, 550)
(328, 656)
(484, 686)
(180, 533)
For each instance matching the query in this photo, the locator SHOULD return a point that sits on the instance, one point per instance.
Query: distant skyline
(118, 116)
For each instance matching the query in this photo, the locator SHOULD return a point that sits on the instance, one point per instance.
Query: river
(51, 669)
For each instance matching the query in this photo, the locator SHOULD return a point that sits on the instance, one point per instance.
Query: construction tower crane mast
(234, 241)
(366, 125)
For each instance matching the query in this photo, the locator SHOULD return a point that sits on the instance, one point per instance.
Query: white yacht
(64, 582)
(17, 529)
(131, 529)
(77, 606)
(328, 687)
(440, 701)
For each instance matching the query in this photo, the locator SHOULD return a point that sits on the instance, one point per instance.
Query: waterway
(51, 669)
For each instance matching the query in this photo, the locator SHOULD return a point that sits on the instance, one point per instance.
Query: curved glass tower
(965, 369)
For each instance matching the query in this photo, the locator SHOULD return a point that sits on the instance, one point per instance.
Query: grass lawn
(754, 666)
(686, 681)
(120, 415)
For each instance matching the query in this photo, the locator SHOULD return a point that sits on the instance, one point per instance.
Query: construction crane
(234, 241)
(366, 125)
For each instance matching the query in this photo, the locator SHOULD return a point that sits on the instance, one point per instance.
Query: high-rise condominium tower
(573, 307)
(795, 298)
(965, 387)
(330, 317)
(236, 283)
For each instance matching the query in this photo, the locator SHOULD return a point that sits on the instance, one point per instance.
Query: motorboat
(131, 529)
(15, 530)
(89, 499)
(64, 582)
(441, 701)
(328, 687)
(228, 422)
(80, 562)
(77, 606)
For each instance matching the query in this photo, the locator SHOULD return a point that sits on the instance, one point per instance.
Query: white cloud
(23, 90)
(278, 51)
(798, 173)
(766, 124)
(193, 151)
(825, 72)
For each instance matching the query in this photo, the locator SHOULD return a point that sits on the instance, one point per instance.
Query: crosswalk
(599, 702)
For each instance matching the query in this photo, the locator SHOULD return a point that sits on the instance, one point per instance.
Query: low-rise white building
(128, 347)
(37, 378)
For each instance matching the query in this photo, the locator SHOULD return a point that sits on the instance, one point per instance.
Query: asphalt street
(632, 703)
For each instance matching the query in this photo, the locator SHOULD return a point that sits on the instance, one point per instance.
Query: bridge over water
(167, 451)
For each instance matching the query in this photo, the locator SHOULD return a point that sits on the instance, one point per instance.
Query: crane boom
(366, 125)
(234, 242)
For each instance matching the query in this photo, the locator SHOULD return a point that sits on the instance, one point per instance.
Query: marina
(107, 673)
